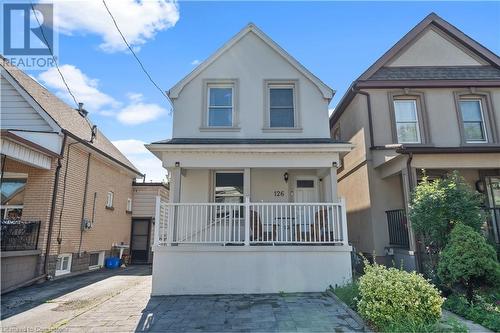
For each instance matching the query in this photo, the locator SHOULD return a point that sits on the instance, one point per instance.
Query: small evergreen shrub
(349, 294)
(468, 260)
(390, 295)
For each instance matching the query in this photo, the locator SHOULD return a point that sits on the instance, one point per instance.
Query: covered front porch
(258, 218)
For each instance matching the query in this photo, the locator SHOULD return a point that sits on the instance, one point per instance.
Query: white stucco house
(253, 195)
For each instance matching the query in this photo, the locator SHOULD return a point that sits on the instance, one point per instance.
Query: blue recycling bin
(112, 262)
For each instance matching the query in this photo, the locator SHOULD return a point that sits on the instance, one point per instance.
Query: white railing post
(345, 240)
(170, 225)
(247, 221)
(157, 221)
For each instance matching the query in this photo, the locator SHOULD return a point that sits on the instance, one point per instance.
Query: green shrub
(349, 294)
(438, 205)
(484, 310)
(468, 260)
(390, 296)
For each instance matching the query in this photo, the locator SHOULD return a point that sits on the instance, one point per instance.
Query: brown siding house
(66, 189)
(430, 102)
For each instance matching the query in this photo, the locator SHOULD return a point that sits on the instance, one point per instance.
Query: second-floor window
(220, 106)
(407, 127)
(471, 111)
(281, 106)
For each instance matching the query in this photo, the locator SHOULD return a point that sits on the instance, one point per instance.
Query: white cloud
(84, 88)
(195, 62)
(138, 113)
(138, 20)
(142, 158)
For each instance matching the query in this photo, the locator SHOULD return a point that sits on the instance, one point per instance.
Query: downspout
(369, 110)
(53, 206)
(412, 184)
(84, 204)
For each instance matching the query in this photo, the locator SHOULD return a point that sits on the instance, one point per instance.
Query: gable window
(220, 105)
(129, 205)
(471, 111)
(406, 118)
(109, 199)
(281, 106)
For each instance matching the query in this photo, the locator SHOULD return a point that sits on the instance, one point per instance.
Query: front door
(306, 191)
(141, 234)
(493, 209)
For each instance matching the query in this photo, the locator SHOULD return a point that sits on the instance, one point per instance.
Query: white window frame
(129, 205)
(60, 272)
(483, 121)
(100, 262)
(223, 86)
(109, 199)
(417, 122)
(270, 86)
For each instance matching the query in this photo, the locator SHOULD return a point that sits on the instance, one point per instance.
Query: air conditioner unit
(86, 224)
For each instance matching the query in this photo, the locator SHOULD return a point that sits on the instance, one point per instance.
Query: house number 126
(279, 193)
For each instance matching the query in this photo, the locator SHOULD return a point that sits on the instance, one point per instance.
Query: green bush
(484, 310)
(438, 205)
(468, 260)
(349, 294)
(390, 296)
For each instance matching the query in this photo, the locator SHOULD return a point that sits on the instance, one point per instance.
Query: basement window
(63, 264)
(96, 260)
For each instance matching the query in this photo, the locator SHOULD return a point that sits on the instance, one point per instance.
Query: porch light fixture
(334, 164)
(480, 186)
(285, 177)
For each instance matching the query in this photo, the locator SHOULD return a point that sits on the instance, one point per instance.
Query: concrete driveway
(119, 301)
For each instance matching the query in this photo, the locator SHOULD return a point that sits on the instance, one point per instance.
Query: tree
(468, 260)
(438, 205)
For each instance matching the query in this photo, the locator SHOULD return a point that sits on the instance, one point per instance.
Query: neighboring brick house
(432, 102)
(66, 189)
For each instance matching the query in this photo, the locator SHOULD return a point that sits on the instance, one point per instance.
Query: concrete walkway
(121, 302)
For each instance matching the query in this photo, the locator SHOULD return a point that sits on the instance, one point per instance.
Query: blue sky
(337, 41)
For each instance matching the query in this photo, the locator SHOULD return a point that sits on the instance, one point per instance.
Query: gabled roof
(432, 20)
(326, 91)
(378, 76)
(67, 118)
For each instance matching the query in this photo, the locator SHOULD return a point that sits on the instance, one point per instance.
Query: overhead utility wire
(78, 107)
(134, 54)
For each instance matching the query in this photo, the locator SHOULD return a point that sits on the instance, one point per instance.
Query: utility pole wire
(134, 54)
(92, 129)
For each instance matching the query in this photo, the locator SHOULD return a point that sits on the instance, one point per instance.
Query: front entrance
(141, 235)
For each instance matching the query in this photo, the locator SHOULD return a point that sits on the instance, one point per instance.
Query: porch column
(246, 195)
(334, 183)
(175, 196)
(406, 176)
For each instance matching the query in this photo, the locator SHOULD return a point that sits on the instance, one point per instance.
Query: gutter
(87, 144)
(53, 206)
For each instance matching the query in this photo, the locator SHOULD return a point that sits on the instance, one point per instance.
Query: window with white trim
(63, 264)
(228, 189)
(109, 199)
(471, 111)
(220, 105)
(129, 205)
(407, 126)
(281, 101)
(96, 260)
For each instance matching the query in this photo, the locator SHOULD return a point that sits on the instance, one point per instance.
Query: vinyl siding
(16, 113)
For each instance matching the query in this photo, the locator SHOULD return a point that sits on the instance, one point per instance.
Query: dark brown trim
(353, 170)
(53, 206)
(150, 184)
(380, 84)
(7, 134)
(87, 144)
(449, 29)
(449, 150)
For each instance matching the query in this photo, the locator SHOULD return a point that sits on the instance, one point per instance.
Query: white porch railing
(251, 223)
